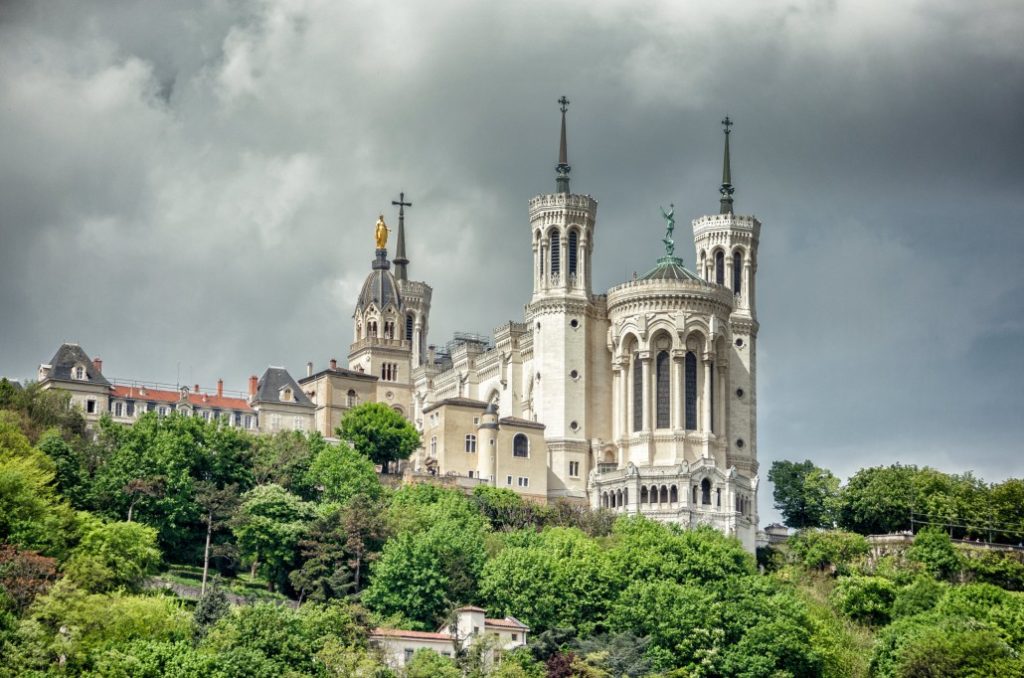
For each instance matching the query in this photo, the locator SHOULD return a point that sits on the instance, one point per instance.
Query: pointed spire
(726, 190)
(400, 261)
(562, 169)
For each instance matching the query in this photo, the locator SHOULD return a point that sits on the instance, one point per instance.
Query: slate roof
(268, 390)
(341, 372)
(380, 288)
(521, 423)
(66, 358)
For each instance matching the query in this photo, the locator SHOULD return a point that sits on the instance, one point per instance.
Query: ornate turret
(562, 169)
(726, 190)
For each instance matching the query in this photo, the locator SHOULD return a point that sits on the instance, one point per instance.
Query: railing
(606, 466)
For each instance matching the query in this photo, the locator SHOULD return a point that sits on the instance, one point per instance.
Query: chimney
(195, 389)
(253, 383)
(97, 364)
(334, 364)
(309, 369)
(220, 388)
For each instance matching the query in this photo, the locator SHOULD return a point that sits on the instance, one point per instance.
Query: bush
(919, 596)
(114, 555)
(824, 549)
(867, 600)
(999, 568)
(934, 549)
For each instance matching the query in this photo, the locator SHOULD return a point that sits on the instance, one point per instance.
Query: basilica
(641, 399)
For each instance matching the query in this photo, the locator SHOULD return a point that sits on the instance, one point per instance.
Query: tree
(822, 549)
(218, 504)
(112, 556)
(379, 432)
(24, 575)
(559, 577)
(338, 472)
(804, 493)
(283, 458)
(268, 527)
(878, 500)
(212, 606)
(868, 600)
(429, 664)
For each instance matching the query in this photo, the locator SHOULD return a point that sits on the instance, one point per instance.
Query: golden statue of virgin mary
(381, 233)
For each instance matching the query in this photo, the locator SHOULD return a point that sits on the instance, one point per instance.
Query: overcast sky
(190, 188)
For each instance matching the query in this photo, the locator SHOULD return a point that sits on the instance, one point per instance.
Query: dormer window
(79, 373)
(286, 395)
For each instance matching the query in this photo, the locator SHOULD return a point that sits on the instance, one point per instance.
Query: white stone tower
(726, 245)
(569, 326)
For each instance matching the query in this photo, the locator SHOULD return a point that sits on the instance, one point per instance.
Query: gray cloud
(194, 185)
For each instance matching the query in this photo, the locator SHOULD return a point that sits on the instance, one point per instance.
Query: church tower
(726, 245)
(569, 327)
(415, 294)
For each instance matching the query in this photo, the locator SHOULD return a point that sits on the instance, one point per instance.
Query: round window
(739, 342)
(739, 443)
(574, 323)
(574, 374)
(739, 393)
(575, 426)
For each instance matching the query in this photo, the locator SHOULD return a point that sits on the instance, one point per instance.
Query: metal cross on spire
(562, 169)
(400, 259)
(727, 189)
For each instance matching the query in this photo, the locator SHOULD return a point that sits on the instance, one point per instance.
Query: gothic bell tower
(567, 326)
(726, 245)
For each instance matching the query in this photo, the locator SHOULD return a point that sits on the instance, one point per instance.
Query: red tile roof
(203, 400)
(420, 635)
(507, 623)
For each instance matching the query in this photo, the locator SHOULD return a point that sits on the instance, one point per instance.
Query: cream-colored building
(470, 626)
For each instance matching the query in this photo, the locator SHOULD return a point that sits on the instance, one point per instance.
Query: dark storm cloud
(190, 188)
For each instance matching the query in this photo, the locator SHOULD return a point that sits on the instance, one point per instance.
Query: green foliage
(268, 527)
(877, 500)
(338, 473)
(212, 606)
(72, 626)
(919, 596)
(994, 567)
(827, 549)
(378, 432)
(423, 573)
(112, 556)
(506, 510)
(934, 549)
(154, 466)
(646, 549)
(868, 600)
(559, 577)
(284, 458)
(805, 494)
(350, 661)
(23, 576)
(429, 664)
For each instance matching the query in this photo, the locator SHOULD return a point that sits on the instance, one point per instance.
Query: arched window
(643, 495)
(470, 442)
(718, 497)
(520, 446)
(737, 271)
(673, 495)
(408, 327)
(638, 394)
(604, 499)
(662, 368)
(705, 492)
(556, 253)
(691, 391)
(663, 497)
(353, 399)
(720, 267)
(573, 244)
(433, 446)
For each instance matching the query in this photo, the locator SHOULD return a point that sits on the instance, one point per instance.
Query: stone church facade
(640, 400)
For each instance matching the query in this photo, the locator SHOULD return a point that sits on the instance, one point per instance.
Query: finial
(562, 169)
(400, 260)
(726, 190)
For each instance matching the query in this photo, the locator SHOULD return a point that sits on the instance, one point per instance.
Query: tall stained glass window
(556, 253)
(662, 367)
(690, 379)
(737, 272)
(573, 243)
(720, 267)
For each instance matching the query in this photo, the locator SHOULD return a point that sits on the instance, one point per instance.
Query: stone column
(709, 359)
(677, 389)
(728, 271)
(645, 362)
(616, 400)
